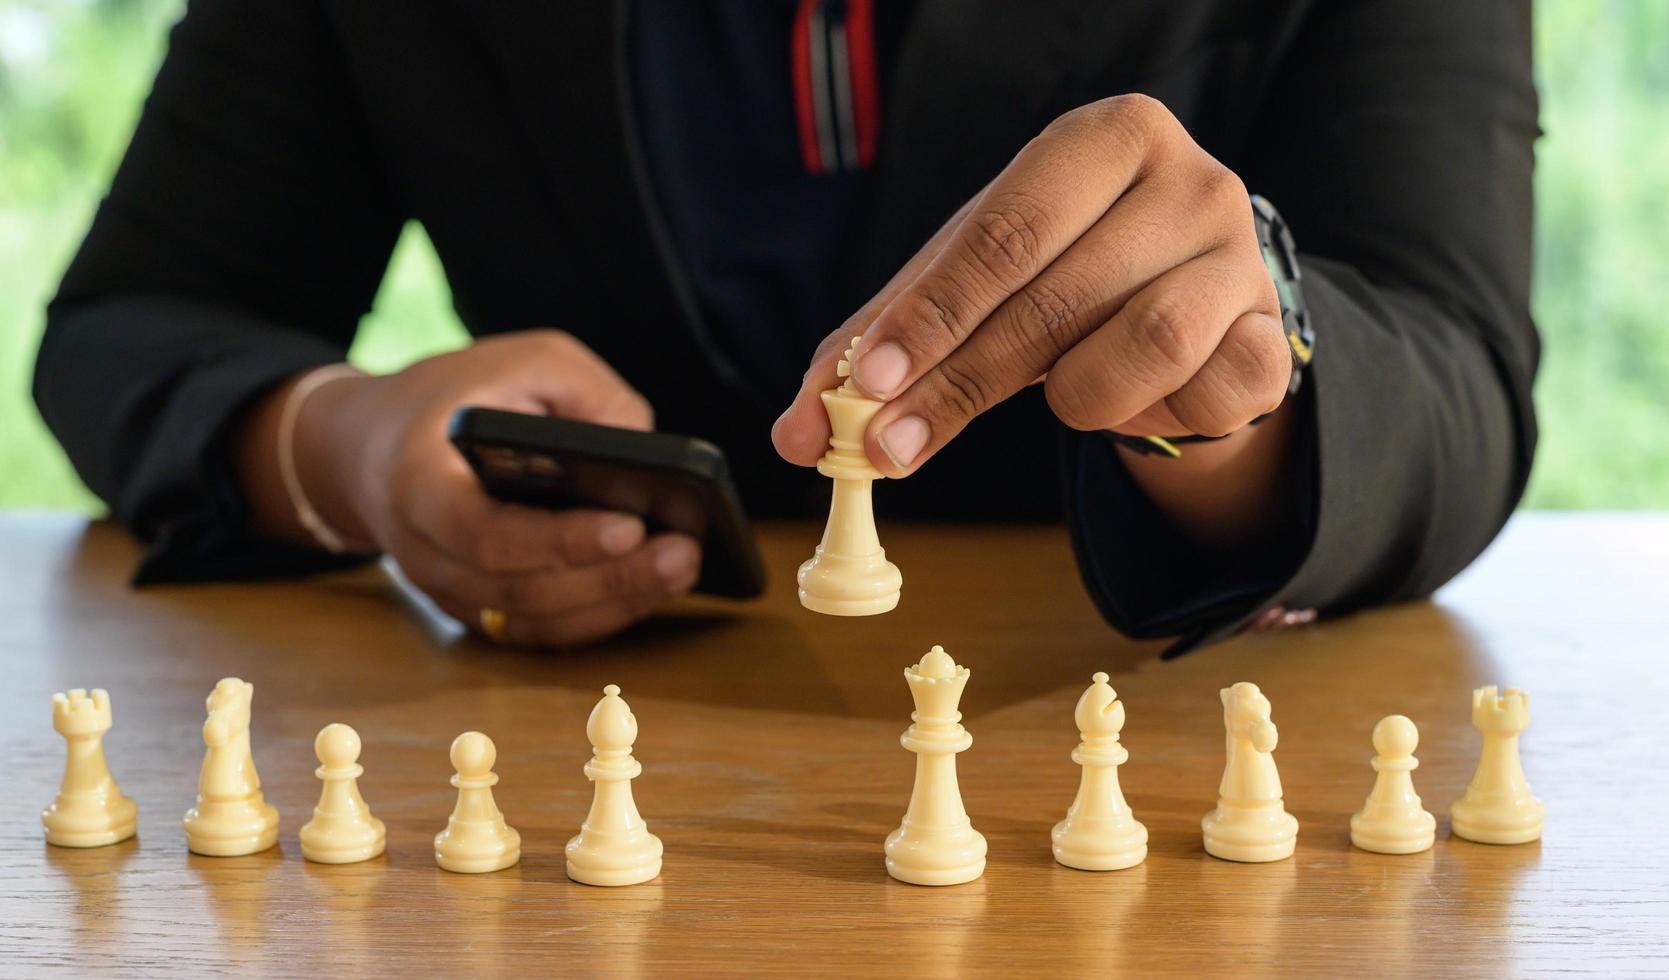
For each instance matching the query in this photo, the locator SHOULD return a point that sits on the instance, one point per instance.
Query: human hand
(1114, 259)
(373, 458)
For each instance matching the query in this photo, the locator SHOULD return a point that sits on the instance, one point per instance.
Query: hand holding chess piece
(1497, 807)
(1249, 824)
(849, 575)
(1392, 821)
(90, 810)
(937, 843)
(614, 846)
(342, 830)
(476, 839)
(231, 817)
(1099, 832)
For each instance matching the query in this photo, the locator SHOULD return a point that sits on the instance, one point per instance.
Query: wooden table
(772, 771)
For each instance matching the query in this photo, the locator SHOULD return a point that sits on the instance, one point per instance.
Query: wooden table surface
(772, 771)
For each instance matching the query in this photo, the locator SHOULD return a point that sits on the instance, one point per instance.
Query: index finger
(455, 515)
(1057, 187)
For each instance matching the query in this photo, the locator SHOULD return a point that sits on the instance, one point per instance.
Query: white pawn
(1099, 832)
(342, 830)
(476, 839)
(936, 844)
(89, 810)
(1498, 807)
(1392, 820)
(231, 816)
(614, 845)
(1250, 824)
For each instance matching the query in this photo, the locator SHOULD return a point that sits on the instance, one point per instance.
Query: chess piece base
(478, 857)
(1251, 836)
(1094, 847)
(333, 849)
(614, 865)
(216, 833)
(1487, 826)
(67, 828)
(842, 587)
(952, 861)
(1408, 837)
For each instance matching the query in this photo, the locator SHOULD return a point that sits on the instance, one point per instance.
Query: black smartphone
(675, 483)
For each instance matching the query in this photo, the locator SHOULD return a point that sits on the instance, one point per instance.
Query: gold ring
(494, 624)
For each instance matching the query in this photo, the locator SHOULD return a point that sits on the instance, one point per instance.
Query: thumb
(567, 379)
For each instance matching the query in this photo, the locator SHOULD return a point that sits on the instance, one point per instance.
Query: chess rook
(1392, 820)
(1250, 824)
(231, 816)
(1497, 807)
(89, 810)
(342, 830)
(937, 843)
(614, 846)
(476, 839)
(1099, 832)
(849, 575)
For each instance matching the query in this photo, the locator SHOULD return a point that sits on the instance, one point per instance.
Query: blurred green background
(73, 73)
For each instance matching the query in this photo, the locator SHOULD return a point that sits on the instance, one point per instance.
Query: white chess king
(231, 816)
(849, 575)
(614, 846)
(1250, 823)
(1497, 807)
(1099, 832)
(342, 830)
(90, 810)
(1392, 821)
(937, 843)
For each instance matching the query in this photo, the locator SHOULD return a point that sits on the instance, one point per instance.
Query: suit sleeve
(244, 234)
(1396, 138)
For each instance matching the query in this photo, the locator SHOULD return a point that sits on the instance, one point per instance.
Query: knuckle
(1070, 400)
(1051, 313)
(1223, 192)
(962, 394)
(1161, 327)
(927, 309)
(1007, 237)
(489, 555)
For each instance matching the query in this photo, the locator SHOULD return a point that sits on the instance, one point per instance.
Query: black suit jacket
(287, 141)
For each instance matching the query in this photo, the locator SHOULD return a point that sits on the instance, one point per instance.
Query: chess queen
(937, 843)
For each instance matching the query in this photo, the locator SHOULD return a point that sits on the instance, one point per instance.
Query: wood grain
(772, 771)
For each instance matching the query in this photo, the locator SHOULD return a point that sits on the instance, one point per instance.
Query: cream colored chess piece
(849, 575)
(1497, 807)
(1392, 820)
(614, 846)
(476, 839)
(1249, 824)
(342, 830)
(89, 810)
(1099, 832)
(936, 844)
(231, 816)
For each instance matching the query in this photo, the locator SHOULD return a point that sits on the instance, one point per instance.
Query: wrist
(327, 448)
(1230, 492)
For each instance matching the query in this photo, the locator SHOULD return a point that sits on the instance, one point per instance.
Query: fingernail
(903, 440)
(619, 535)
(882, 369)
(675, 562)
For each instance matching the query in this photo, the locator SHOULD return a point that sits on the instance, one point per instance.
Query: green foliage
(73, 73)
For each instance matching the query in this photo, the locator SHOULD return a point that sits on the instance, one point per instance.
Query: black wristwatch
(1281, 256)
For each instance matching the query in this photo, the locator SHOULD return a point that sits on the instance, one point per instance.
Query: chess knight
(849, 575)
(231, 816)
(1250, 823)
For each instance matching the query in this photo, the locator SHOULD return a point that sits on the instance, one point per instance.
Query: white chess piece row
(936, 843)
(232, 817)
